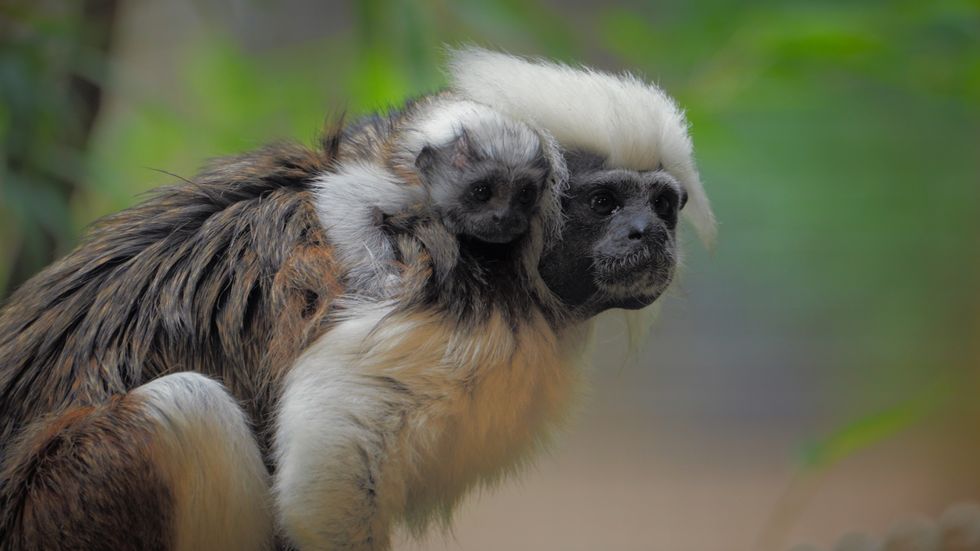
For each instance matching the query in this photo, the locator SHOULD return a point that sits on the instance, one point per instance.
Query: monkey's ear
(427, 158)
(463, 151)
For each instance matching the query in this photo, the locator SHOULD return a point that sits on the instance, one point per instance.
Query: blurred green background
(817, 372)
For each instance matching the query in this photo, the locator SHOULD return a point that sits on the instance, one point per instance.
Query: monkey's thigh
(170, 465)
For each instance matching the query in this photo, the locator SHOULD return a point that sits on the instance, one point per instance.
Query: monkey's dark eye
(527, 194)
(481, 191)
(665, 205)
(603, 203)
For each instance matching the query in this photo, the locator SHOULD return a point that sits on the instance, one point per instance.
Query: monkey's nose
(639, 228)
(500, 216)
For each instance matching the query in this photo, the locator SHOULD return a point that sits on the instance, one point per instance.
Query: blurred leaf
(867, 431)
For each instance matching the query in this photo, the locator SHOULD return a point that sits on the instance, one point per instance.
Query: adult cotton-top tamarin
(363, 408)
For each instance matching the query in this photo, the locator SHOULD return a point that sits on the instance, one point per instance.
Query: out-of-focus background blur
(817, 373)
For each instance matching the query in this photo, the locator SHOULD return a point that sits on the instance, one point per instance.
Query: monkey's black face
(483, 197)
(496, 205)
(617, 249)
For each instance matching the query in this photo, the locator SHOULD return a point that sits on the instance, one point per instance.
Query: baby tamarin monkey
(481, 175)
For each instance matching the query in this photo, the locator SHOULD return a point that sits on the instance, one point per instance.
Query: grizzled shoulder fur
(370, 137)
(228, 275)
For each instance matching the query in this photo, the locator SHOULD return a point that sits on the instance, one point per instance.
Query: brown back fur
(84, 475)
(229, 275)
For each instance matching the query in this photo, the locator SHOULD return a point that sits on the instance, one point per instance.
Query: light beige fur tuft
(419, 412)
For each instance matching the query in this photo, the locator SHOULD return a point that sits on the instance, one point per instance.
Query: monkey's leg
(170, 465)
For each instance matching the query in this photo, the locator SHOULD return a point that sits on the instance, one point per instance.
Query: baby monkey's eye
(527, 194)
(603, 203)
(481, 191)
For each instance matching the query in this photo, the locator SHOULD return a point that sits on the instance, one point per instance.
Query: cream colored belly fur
(392, 417)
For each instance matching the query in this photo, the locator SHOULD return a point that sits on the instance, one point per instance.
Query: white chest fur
(393, 417)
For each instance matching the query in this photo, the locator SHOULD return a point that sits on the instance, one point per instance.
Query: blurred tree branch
(52, 70)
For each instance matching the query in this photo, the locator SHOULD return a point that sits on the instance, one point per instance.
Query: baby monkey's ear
(463, 152)
(458, 153)
(427, 159)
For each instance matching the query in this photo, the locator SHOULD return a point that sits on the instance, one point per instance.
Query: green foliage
(868, 430)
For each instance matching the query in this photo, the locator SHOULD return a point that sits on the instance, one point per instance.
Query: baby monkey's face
(495, 203)
(483, 192)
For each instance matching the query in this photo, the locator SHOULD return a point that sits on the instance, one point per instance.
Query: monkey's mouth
(497, 233)
(639, 277)
(485, 251)
(501, 237)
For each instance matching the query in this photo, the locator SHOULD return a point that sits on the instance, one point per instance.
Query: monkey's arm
(352, 202)
(169, 465)
(334, 429)
(337, 427)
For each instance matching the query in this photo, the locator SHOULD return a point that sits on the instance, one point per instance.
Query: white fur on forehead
(492, 132)
(632, 123)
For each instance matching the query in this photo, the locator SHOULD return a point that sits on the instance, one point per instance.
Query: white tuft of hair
(633, 124)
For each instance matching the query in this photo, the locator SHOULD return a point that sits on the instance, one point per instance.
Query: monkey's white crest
(632, 123)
